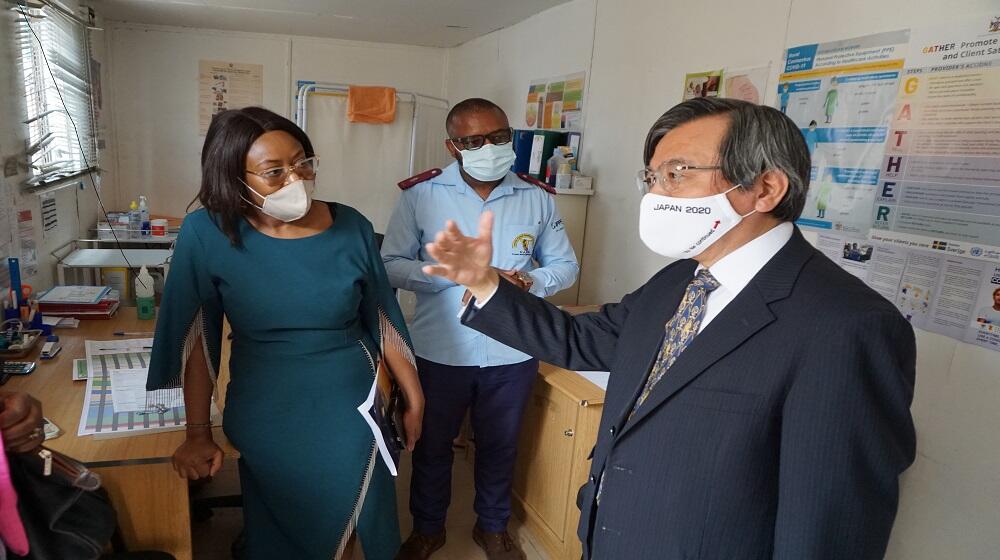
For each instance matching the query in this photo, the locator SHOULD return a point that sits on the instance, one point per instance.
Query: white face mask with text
(682, 228)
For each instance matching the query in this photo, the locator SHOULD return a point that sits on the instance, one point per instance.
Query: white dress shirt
(735, 270)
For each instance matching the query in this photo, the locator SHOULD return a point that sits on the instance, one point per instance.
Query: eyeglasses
(669, 176)
(276, 176)
(476, 141)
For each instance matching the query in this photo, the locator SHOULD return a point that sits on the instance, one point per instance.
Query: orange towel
(371, 104)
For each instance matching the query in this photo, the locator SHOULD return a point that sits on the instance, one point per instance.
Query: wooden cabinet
(560, 428)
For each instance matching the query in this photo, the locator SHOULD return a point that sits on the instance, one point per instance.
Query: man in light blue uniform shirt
(459, 367)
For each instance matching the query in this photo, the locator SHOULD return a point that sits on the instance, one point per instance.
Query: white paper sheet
(128, 391)
(130, 346)
(599, 378)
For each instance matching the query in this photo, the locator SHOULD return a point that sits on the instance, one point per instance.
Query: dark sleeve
(536, 327)
(380, 310)
(190, 307)
(847, 435)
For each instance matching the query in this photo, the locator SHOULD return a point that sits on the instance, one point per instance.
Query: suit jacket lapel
(740, 320)
(666, 296)
(743, 317)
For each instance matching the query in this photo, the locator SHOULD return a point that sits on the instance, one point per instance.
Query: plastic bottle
(564, 175)
(552, 165)
(134, 221)
(145, 227)
(145, 303)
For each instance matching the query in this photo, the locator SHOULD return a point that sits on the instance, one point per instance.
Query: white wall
(500, 65)
(155, 145)
(950, 506)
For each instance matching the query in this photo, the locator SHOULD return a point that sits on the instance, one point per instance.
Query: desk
(151, 500)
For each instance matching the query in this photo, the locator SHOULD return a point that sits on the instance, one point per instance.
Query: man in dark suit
(758, 403)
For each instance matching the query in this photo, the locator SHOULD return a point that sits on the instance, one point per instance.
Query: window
(54, 57)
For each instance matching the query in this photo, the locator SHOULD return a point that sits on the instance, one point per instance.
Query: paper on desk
(80, 370)
(128, 392)
(107, 347)
(599, 378)
(60, 322)
(74, 294)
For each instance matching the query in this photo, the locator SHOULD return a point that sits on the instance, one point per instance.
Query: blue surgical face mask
(489, 163)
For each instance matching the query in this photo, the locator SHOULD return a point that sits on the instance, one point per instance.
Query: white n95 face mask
(489, 163)
(682, 228)
(289, 203)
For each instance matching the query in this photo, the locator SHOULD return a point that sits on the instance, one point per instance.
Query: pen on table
(107, 349)
(124, 333)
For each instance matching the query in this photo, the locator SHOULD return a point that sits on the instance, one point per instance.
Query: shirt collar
(735, 270)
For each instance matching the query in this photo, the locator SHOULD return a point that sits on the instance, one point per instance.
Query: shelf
(577, 192)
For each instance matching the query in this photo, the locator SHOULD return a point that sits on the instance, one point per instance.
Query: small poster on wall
(702, 84)
(26, 238)
(747, 84)
(555, 103)
(227, 85)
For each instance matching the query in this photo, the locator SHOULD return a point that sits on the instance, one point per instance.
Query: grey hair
(759, 139)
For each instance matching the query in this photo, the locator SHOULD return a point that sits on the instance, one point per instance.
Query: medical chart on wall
(227, 85)
(933, 242)
(555, 103)
(941, 171)
(6, 233)
(954, 296)
(26, 239)
(841, 95)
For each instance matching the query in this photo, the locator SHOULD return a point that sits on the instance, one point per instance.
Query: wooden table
(151, 500)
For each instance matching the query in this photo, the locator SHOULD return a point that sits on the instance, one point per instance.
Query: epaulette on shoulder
(418, 178)
(538, 183)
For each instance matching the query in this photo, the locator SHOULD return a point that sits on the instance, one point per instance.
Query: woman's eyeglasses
(276, 176)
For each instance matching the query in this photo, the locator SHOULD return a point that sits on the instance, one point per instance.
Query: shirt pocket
(517, 243)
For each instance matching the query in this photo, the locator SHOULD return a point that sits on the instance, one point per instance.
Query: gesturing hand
(465, 260)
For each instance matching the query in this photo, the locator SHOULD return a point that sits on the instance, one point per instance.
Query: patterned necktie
(681, 329)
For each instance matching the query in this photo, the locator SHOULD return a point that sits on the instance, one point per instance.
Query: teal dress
(309, 318)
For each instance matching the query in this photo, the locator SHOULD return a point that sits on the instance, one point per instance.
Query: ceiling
(432, 23)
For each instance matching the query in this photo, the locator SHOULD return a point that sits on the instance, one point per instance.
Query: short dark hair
(471, 105)
(223, 161)
(759, 139)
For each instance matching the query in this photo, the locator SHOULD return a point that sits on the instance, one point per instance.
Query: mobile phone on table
(17, 368)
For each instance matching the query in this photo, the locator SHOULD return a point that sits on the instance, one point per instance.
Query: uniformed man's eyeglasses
(476, 141)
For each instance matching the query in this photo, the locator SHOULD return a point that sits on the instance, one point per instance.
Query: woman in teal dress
(304, 290)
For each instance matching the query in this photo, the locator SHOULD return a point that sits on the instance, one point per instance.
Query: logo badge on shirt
(523, 245)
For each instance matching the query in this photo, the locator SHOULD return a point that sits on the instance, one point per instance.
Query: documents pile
(80, 302)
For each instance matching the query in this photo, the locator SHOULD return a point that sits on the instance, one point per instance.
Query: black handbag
(65, 512)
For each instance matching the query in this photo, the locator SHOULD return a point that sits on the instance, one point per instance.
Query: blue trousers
(497, 396)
